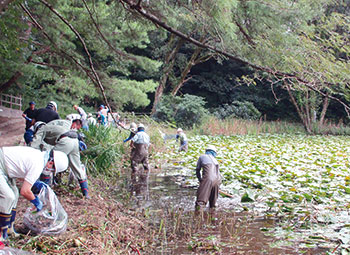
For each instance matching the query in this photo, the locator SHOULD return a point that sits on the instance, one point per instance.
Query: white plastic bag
(13, 251)
(52, 219)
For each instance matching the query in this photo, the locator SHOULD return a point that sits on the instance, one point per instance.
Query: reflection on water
(227, 230)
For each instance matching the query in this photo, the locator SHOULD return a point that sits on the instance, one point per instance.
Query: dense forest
(275, 59)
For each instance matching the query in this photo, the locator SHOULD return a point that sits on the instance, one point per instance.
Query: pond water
(169, 206)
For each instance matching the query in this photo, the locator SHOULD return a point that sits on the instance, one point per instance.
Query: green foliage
(166, 109)
(129, 92)
(185, 111)
(52, 71)
(242, 110)
(105, 147)
(306, 39)
(190, 111)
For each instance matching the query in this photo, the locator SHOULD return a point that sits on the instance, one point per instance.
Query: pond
(302, 181)
(168, 203)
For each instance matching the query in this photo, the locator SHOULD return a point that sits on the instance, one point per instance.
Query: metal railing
(9, 101)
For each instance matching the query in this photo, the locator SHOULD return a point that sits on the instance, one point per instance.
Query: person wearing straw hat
(209, 180)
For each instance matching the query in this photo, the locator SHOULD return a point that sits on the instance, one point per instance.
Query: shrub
(185, 111)
(241, 110)
(105, 147)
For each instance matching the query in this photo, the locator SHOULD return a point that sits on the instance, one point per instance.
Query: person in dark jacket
(209, 180)
(46, 114)
(29, 114)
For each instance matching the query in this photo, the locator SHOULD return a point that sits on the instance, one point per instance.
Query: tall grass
(331, 128)
(105, 148)
(107, 154)
(214, 126)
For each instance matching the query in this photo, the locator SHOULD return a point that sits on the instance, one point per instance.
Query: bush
(105, 147)
(237, 109)
(185, 111)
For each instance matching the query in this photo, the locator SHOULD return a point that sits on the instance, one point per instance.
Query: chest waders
(208, 189)
(139, 155)
(8, 200)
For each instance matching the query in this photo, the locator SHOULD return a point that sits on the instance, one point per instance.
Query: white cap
(53, 103)
(133, 126)
(141, 126)
(211, 147)
(61, 161)
(179, 130)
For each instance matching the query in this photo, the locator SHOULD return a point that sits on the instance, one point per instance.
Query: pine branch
(119, 52)
(274, 73)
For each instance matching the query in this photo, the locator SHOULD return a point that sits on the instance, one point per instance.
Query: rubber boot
(5, 220)
(84, 188)
(11, 229)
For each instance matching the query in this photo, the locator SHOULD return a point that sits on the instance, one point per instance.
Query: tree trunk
(325, 105)
(185, 72)
(168, 66)
(302, 114)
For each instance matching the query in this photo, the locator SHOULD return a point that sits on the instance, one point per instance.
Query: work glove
(81, 136)
(37, 203)
(37, 186)
(82, 146)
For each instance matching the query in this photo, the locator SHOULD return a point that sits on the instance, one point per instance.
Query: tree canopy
(124, 51)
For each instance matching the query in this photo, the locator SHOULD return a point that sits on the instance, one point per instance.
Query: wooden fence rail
(13, 102)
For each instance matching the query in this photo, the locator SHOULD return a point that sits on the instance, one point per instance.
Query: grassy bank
(100, 225)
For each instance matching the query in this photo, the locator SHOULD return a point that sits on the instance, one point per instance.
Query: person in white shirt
(83, 116)
(139, 151)
(183, 139)
(22, 162)
(91, 120)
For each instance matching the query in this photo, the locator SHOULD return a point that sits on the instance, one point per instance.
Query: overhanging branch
(290, 76)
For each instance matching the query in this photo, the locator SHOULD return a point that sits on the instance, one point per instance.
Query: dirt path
(11, 127)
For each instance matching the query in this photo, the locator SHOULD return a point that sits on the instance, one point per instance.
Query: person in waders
(209, 180)
(62, 135)
(27, 164)
(183, 139)
(139, 152)
(133, 130)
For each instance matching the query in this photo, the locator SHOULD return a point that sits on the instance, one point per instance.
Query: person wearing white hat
(23, 162)
(133, 129)
(62, 135)
(139, 151)
(209, 180)
(46, 114)
(183, 139)
(91, 120)
(83, 116)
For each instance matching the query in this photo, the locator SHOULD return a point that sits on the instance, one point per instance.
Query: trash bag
(52, 219)
(13, 251)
